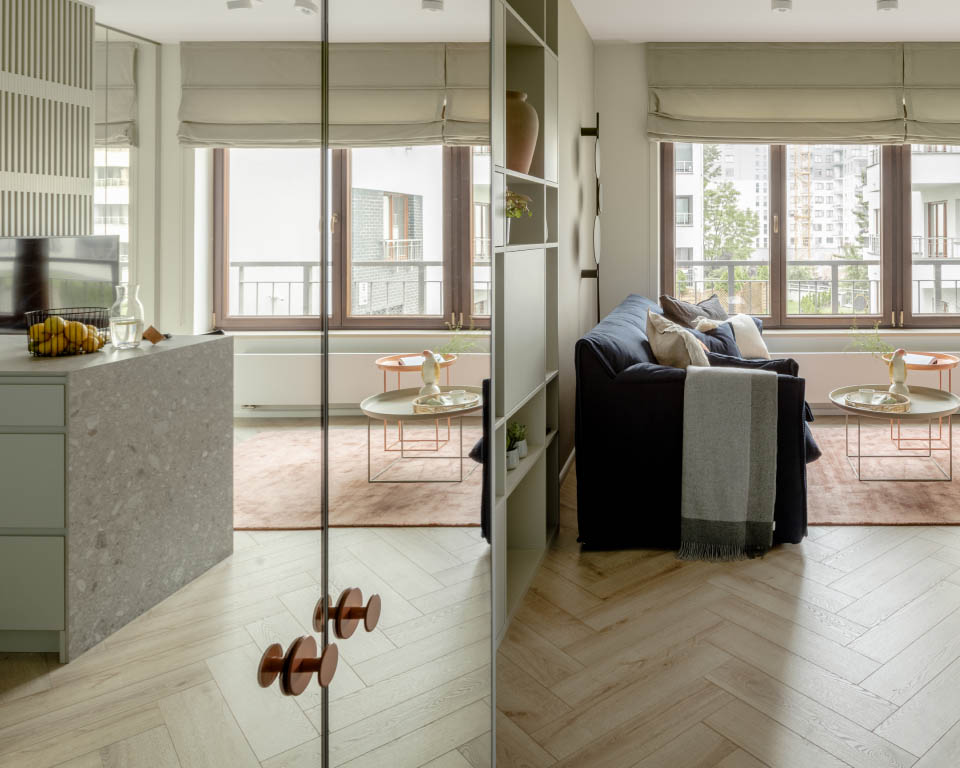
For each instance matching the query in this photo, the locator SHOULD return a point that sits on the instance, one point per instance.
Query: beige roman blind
(931, 90)
(384, 94)
(250, 94)
(467, 110)
(115, 76)
(775, 92)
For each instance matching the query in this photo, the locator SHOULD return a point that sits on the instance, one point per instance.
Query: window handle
(334, 218)
(776, 224)
(901, 318)
(893, 318)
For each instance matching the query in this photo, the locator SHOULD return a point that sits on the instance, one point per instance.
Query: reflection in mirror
(410, 258)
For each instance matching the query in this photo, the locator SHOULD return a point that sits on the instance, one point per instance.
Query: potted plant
(517, 206)
(460, 340)
(513, 453)
(519, 433)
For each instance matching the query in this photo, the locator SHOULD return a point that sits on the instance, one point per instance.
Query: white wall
(578, 298)
(630, 256)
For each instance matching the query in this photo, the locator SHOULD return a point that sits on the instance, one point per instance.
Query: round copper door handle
(296, 667)
(348, 612)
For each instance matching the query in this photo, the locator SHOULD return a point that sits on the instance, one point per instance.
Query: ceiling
(169, 21)
(752, 20)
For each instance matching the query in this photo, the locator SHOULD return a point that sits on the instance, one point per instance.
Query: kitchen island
(116, 485)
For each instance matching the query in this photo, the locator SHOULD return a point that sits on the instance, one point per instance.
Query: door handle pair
(300, 662)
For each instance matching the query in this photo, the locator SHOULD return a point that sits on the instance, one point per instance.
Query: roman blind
(931, 89)
(380, 94)
(115, 78)
(467, 110)
(264, 94)
(775, 92)
(385, 94)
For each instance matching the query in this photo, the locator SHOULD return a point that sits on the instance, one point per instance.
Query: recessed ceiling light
(306, 7)
(888, 5)
(781, 6)
(431, 5)
(235, 4)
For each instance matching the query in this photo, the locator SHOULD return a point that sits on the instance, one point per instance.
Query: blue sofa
(629, 435)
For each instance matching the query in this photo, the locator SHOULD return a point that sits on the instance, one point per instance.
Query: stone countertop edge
(16, 361)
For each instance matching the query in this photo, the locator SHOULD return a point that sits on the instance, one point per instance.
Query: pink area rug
(277, 481)
(836, 497)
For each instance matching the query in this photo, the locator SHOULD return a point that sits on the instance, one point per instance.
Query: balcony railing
(684, 166)
(295, 291)
(873, 244)
(684, 219)
(934, 149)
(936, 297)
(834, 295)
(407, 249)
(935, 247)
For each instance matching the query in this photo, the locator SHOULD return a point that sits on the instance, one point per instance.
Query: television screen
(55, 273)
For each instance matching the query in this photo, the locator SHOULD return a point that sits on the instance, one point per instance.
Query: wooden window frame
(891, 241)
(457, 224)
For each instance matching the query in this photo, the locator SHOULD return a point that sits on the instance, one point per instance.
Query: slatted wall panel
(46, 117)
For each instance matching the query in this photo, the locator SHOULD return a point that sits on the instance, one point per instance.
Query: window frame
(892, 174)
(457, 225)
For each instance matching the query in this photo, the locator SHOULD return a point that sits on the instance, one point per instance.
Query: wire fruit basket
(67, 331)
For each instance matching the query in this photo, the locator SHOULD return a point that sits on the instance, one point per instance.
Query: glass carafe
(126, 318)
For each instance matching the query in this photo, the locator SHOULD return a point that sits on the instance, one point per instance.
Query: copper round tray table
(394, 364)
(944, 362)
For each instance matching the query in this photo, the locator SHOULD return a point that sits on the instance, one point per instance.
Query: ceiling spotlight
(781, 6)
(306, 7)
(888, 5)
(235, 4)
(431, 5)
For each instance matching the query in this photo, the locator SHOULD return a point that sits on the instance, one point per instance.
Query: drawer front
(31, 571)
(31, 481)
(31, 405)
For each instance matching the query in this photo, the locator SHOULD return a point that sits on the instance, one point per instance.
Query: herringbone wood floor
(176, 687)
(841, 651)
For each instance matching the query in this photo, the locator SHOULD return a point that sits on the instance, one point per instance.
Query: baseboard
(567, 465)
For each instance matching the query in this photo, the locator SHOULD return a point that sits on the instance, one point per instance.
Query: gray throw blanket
(729, 463)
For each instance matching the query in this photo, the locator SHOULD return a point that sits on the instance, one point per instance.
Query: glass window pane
(721, 237)
(480, 253)
(396, 231)
(935, 229)
(833, 230)
(274, 236)
(111, 202)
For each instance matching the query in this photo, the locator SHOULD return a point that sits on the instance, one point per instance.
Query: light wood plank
(150, 749)
(699, 747)
(860, 705)
(856, 746)
(890, 564)
(204, 731)
(766, 739)
(896, 593)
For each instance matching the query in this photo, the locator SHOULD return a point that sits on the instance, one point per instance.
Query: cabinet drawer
(31, 405)
(31, 571)
(31, 481)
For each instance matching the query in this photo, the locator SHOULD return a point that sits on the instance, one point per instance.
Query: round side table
(944, 362)
(394, 364)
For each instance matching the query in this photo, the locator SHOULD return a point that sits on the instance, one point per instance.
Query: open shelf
(525, 22)
(528, 230)
(515, 476)
(522, 564)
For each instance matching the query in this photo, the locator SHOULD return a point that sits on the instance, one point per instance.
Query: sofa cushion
(673, 344)
(721, 340)
(684, 313)
(620, 339)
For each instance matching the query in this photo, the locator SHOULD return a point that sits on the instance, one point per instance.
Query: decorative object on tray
(453, 400)
(883, 402)
(517, 206)
(519, 432)
(430, 372)
(126, 317)
(523, 128)
(68, 331)
(898, 373)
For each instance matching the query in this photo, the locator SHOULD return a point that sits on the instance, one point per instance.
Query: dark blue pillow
(719, 341)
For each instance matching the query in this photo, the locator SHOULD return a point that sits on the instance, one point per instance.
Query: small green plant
(868, 341)
(518, 205)
(460, 340)
(515, 433)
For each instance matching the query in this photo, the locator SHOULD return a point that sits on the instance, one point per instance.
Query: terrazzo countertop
(16, 361)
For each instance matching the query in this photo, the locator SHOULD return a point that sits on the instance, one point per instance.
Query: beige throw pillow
(674, 345)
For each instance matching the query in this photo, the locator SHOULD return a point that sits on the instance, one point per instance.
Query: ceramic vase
(522, 449)
(523, 127)
(898, 374)
(513, 458)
